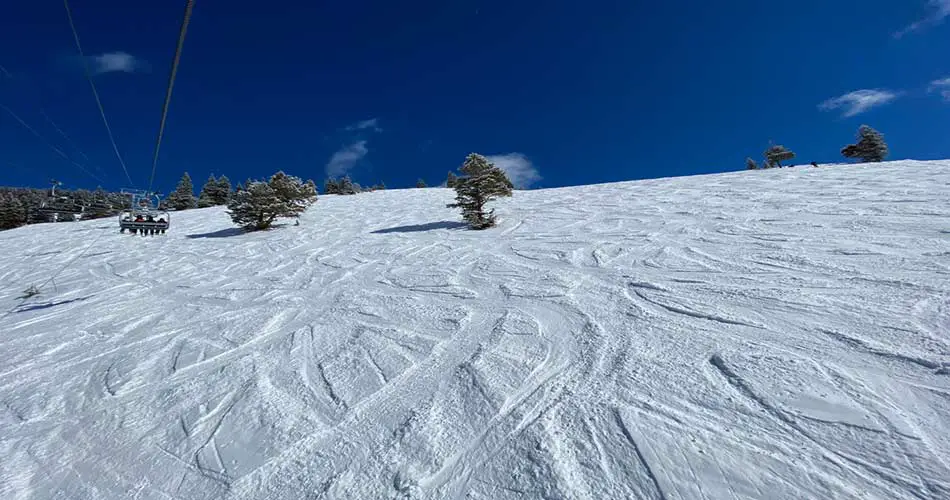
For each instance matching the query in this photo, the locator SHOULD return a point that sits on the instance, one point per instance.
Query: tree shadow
(432, 226)
(47, 305)
(223, 233)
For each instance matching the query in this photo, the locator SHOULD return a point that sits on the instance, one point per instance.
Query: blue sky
(566, 93)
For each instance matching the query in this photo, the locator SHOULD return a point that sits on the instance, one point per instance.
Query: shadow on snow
(47, 305)
(223, 233)
(432, 226)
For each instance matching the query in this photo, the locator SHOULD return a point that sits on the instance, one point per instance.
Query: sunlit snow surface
(770, 334)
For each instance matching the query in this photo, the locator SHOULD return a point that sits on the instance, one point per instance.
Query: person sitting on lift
(138, 218)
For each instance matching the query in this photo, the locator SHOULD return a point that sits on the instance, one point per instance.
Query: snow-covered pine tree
(776, 154)
(450, 180)
(421, 183)
(206, 197)
(183, 197)
(259, 204)
(256, 207)
(346, 186)
(869, 148)
(331, 186)
(750, 164)
(483, 182)
(298, 195)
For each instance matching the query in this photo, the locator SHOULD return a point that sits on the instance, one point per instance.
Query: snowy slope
(770, 334)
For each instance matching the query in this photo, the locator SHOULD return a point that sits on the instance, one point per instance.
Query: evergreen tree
(483, 182)
(206, 197)
(421, 183)
(223, 193)
(12, 211)
(259, 204)
(450, 180)
(776, 154)
(256, 206)
(215, 192)
(331, 186)
(346, 186)
(183, 197)
(297, 195)
(750, 164)
(869, 148)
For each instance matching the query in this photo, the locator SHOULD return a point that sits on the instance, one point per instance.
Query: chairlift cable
(50, 144)
(95, 93)
(189, 6)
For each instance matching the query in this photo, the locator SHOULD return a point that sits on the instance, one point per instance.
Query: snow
(767, 334)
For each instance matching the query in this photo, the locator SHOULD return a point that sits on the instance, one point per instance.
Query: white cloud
(940, 11)
(346, 158)
(518, 167)
(117, 62)
(372, 124)
(942, 86)
(859, 101)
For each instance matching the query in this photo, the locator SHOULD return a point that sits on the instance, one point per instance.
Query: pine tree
(776, 154)
(259, 204)
(223, 193)
(869, 148)
(331, 186)
(12, 212)
(215, 192)
(346, 186)
(421, 183)
(206, 197)
(183, 197)
(298, 195)
(483, 182)
(450, 180)
(750, 164)
(256, 206)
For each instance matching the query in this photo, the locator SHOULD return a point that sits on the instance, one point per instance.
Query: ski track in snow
(773, 334)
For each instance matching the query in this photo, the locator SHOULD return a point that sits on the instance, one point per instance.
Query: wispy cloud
(4, 72)
(939, 10)
(518, 167)
(346, 158)
(859, 101)
(120, 62)
(942, 86)
(370, 124)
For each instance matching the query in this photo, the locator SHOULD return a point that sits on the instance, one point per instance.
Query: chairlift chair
(145, 215)
(57, 207)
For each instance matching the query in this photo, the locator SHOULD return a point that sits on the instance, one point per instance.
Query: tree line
(22, 206)
(257, 204)
(869, 148)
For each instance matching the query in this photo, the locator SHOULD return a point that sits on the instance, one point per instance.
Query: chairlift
(145, 216)
(57, 208)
